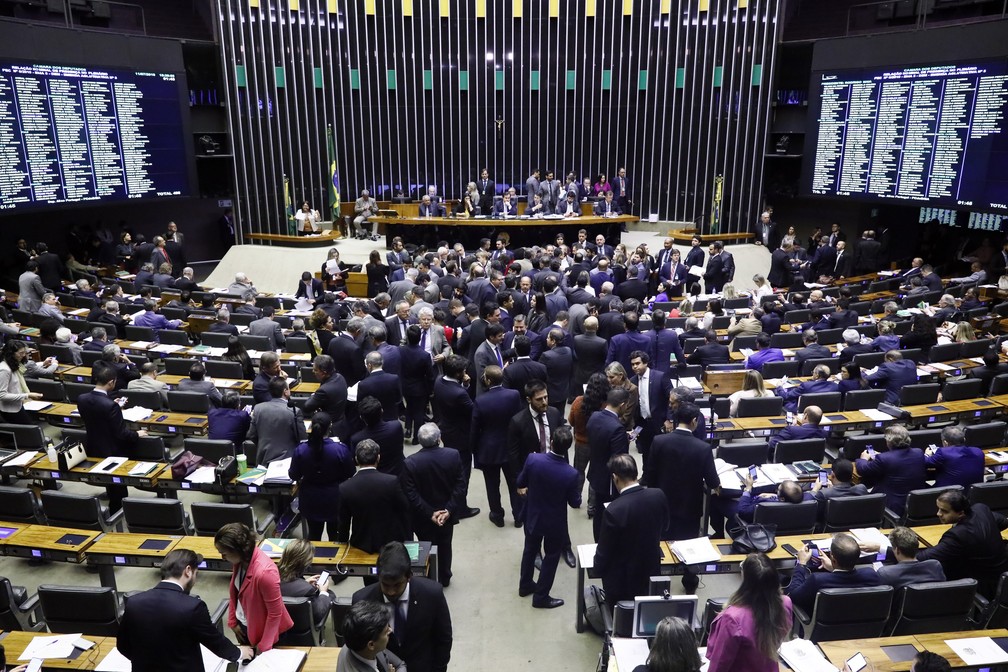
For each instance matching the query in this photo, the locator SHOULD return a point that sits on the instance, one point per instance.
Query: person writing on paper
(169, 613)
(366, 634)
(256, 612)
(674, 648)
(754, 623)
(294, 563)
(13, 388)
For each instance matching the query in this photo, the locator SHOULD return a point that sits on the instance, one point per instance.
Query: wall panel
(678, 92)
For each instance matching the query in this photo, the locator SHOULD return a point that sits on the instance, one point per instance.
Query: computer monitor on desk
(649, 611)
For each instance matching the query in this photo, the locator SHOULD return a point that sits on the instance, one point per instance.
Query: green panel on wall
(757, 74)
(718, 75)
(318, 78)
(463, 80)
(606, 80)
(534, 80)
(355, 79)
(428, 80)
(571, 80)
(499, 80)
(642, 80)
(390, 79)
(281, 78)
(240, 75)
(680, 78)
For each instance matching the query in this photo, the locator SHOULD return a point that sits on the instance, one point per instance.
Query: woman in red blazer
(254, 589)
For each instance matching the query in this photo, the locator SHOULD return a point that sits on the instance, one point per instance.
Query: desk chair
(922, 438)
(173, 336)
(134, 333)
(945, 352)
(89, 357)
(915, 355)
(691, 344)
(253, 342)
(994, 613)
(149, 515)
(967, 388)
(145, 398)
(298, 344)
(208, 517)
(170, 313)
(829, 402)
(151, 449)
(939, 606)
(242, 319)
(688, 371)
(798, 450)
(733, 366)
(999, 384)
(743, 452)
(858, 400)
(83, 512)
(832, 363)
(760, 407)
(920, 508)
(721, 322)
(740, 342)
(789, 518)
(992, 493)
(845, 613)
(188, 402)
(305, 631)
(214, 339)
(19, 505)
(291, 369)
(51, 390)
(787, 369)
(308, 375)
(60, 352)
(734, 304)
(869, 360)
(178, 366)
(847, 513)
(713, 607)
(89, 610)
(17, 610)
(855, 445)
(28, 437)
(216, 368)
(986, 434)
(916, 395)
(791, 340)
(829, 336)
(210, 449)
(975, 348)
(800, 316)
(862, 308)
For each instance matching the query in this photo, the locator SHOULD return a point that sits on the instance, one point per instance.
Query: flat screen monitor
(649, 611)
(933, 133)
(76, 134)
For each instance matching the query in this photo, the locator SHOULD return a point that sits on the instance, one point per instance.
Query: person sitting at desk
(820, 383)
(894, 374)
(853, 346)
(367, 633)
(50, 308)
(887, 339)
(840, 485)
(430, 209)
(711, 352)
(674, 648)
(113, 357)
(812, 349)
(98, 340)
(992, 367)
(229, 422)
(908, 569)
(185, 283)
(955, 463)
(606, 207)
(806, 427)
(752, 388)
(764, 353)
(504, 208)
(895, 472)
(163, 278)
(236, 352)
(569, 206)
(223, 325)
(196, 383)
(241, 285)
(834, 570)
(787, 491)
(148, 382)
(148, 317)
(145, 276)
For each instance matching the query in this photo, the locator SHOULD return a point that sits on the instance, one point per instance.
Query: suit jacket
(842, 264)
(867, 256)
(848, 353)
(331, 397)
(812, 351)
(606, 437)
(107, 433)
(908, 573)
(388, 434)
(51, 271)
(30, 292)
(265, 326)
(499, 210)
(603, 207)
(957, 465)
(453, 408)
(822, 262)
(384, 387)
(894, 376)
(559, 363)
(319, 478)
(680, 464)
(302, 291)
(792, 394)
(432, 479)
(483, 358)
(276, 430)
(229, 424)
(261, 600)
(145, 384)
(621, 345)
(590, 354)
(203, 387)
(396, 332)
(428, 640)
(982, 372)
(491, 417)
(658, 388)
(487, 189)
(373, 511)
(223, 328)
(349, 358)
(520, 372)
(552, 486)
(709, 353)
(523, 434)
(550, 191)
(628, 551)
(163, 614)
(417, 371)
(432, 210)
(972, 548)
(894, 472)
(805, 583)
(780, 269)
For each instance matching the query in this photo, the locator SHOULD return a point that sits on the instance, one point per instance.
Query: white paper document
(22, 459)
(167, 348)
(50, 646)
(276, 660)
(876, 414)
(778, 473)
(801, 655)
(143, 468)
(630, 652)
(277, 471)
(871, 535)
(978, 650)
(202, 475)
(108, 464)
(136, 414)
(695, 551)
(117, 662)
(33, 405)
(586, 555)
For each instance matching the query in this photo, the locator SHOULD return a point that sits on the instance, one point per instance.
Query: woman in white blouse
(761, 288)
(752, 388)
(13, 388)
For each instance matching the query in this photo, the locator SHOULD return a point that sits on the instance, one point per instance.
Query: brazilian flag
(289, 207)
(334, 191)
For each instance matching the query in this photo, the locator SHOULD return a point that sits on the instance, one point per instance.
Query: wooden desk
(355, 562)
(212, 558)
(43, 467)
(839, 651)
(162, 422)
(220, 383)
(320, 659)
(930, 535)
(523, 231)
(40, 542)
(953, 410)
(16, 641)
(726, 428)
(126, 549)
(685, 237)
(325, 239)
(935, 642)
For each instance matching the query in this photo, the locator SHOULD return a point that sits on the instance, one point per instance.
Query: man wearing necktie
(836, 235)
(622, 191)
(505, 208)
(486, 188)
(429, 209)
(488, 353)
(841, 268)
(550, 190)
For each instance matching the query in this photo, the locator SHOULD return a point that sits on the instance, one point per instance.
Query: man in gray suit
(266, 326)
(432, 338)
(908, 569)
(488, 352)
(30, 288)
(277, 428)
(148, 382)
(196, 383)
(397, 290)
(532, 185)
(550, 190)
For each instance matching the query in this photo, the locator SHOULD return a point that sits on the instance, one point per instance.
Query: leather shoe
(469, 513)
(525, 592)
(538, 561)
(497, 520)
(548, 603)
(568, 556)
(518, 523)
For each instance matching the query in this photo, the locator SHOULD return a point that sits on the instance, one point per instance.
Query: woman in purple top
(745, 636)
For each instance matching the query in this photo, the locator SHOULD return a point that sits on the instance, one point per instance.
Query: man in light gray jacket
(30, 288)
(277, 428)
(266, 326)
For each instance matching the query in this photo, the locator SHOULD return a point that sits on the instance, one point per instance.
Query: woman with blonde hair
(760, 290)
(729, 292)
(752, 388)
(297, 558)
(964, 333)
(617, 377)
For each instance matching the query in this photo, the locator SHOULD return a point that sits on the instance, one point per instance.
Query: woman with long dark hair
(757, 618)
(923, 335)
(377, 274)
(538, 317)
(581, 409)
(236, 352)
(319, 465)
(13, 388)
(674, 648)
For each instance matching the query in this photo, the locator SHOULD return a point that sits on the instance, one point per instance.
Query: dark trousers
(600, 501)
(315, 528)
(442, 538)
(492, 478)
(116, 493)
(20, 417)
(466, 457)
(551, 545)
(416, 414)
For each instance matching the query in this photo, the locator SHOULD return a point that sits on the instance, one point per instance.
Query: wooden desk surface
(931, 534)
(726, 425)
(327, 237)
(778, 554)
(44, 538)
(489, 222)
(935, 643)
(220, 383)
(839, 651)
(161, 421)
(202, 545)
(15, 642)
(320, 659)
(129, 543)
(16, 527)
(43, 464)
(975, 407)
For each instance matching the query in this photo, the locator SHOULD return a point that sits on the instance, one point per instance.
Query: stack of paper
(253, 477)
(136, 414)
(143, 468)
(691, 383)
(22, 459)
(276, 660)
(761, 481)
(226, 382)
(778, 473)
(140, 345)
(876, 414)
(277, 471)
(695, 551)
(167, 348)
(871, 535)
(202, 475)
(50, 646)
(801, 655)
(116, 662)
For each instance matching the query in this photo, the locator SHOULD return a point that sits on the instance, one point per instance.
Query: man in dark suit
(867, 254)
(475, 334)
(628, 552)
(711, 352)
(549, 485)
(589, 352)
(896, 471)
(422, 634)
(606, 437)
(841, 318)
(107, 432)
(373, 509)
(331, 395)
(505, 207)
(51, 270)
(486, 189)
(396, 325)
(607, 207)
(720, 269)
(840, 485)
(530, 428)
(821, 263)
(780, 267)
(820, 383)
(269, 368)
(992, 367)
(491, 415)
(435, 486)
(168, 614)
(908, 569)
(680, 464)
(621, 345)
(894, 374)
(417, 378)
(837, 570)
(453, 409)
(806, 427)
(559, 362)
(812, 349)
(347, 352)
(388, 434)
(523, 370)
(836, 235)
(222, 325)
(853, 346)
(653, 401)
(381, 385)
(308, 288)
(954, 462)
(843, 263)
(429, 209)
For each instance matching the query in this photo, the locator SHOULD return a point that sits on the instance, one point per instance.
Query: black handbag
(226, 470)
(754, 538)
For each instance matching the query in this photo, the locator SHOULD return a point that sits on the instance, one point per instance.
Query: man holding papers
(162, 628)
